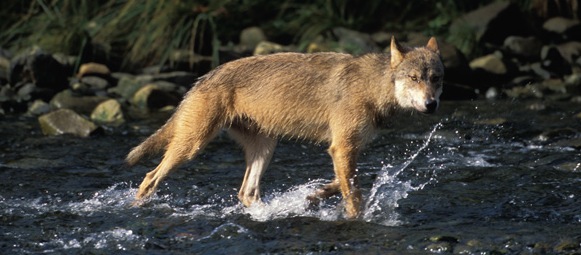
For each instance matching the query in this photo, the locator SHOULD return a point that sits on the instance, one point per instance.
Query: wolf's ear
(396, 53)
(433, 45)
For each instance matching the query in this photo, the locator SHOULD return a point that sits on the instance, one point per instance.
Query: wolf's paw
(313, 202)
(138, 203)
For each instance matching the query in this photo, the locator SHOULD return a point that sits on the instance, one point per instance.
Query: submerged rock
(65, 121)
(567, 246)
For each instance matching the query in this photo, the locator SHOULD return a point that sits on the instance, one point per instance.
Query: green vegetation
(146, 32)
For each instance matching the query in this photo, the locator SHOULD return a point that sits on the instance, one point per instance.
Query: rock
(557, 134)
(39, 107)
(570, 51)
(90, 85)
(559, 25)
(171, 88)
(6, 93)
(252, 36)
(440, 248)
(382, 38)
(66, 121)
(354, 41)
(537, 106)
(265, 47)
(82, 104)
(490, 63)
(154, 69)
(188, 60)
(93, 69)
(440, 238)
(573, 80)
(66, 60)
(178, 77)
(527, 91)
(524, 80)
(539, 70)
(40, 68)
(492, 93)
(554, 85)
(318, 46)
(527, 47)
(151, 97)
(574, 143)
(491, 122)
(567, 245)
(492, 23)
(128, 85)
(570, 166)
(108, 112)
(24, 92)
(490, 70)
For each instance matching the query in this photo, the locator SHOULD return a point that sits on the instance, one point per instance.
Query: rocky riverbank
(508, 57)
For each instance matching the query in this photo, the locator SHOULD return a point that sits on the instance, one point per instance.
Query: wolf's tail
(153, 144)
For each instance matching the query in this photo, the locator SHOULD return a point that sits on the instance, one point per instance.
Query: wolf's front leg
(344, 156)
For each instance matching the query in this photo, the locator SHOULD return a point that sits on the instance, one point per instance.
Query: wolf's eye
(414, 78)
(436, 78)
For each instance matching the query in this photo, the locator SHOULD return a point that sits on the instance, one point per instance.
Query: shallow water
(477, 178)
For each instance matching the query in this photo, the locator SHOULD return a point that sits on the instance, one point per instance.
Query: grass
(146, 32)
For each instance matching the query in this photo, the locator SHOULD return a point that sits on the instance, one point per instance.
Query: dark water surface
(477, 178)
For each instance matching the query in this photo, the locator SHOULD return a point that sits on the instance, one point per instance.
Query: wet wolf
(331, 98)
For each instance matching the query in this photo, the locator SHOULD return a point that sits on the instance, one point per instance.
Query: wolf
(332, 98)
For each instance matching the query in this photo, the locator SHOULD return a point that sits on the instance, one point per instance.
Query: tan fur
(325, 97)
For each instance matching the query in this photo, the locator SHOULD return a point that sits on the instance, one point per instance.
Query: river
(478, 177)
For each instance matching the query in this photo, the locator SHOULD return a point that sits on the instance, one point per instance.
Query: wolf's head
(418, 75)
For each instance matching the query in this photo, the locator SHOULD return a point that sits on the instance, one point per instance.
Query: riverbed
(477, 177)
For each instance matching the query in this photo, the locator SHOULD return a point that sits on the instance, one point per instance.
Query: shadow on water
(478, 177)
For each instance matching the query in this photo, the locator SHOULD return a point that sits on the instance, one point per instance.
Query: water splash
(388, 189)
(287, 204)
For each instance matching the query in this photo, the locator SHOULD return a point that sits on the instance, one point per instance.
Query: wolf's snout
(431, 105)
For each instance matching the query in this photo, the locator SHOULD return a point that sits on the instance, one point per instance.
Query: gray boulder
(66, 121)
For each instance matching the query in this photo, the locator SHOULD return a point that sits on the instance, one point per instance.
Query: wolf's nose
(431, 105)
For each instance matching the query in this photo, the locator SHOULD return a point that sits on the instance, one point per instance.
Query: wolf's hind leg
(192, 133)
(258, 150)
